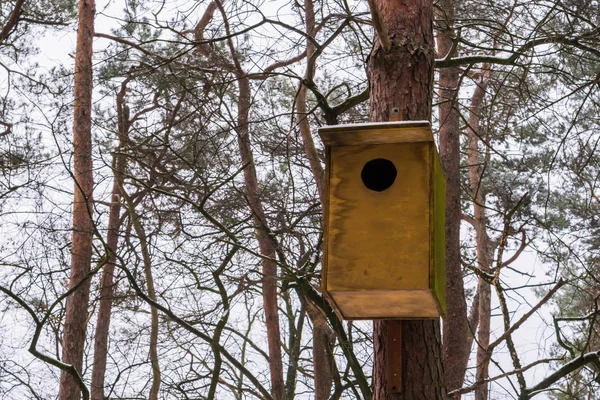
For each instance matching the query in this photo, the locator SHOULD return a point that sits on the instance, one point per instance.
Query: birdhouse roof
(376, 133)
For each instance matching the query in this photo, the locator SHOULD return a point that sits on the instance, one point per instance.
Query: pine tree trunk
(456, 348)
(309, 145)
(482, 239)
(112, 240)
(81, 247)
(265, 242)
(403, 79)
(106, 291)
(322, 334)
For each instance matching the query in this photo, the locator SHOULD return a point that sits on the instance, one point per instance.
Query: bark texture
(422, 373)
(403, 79)
(456, 348)
(323, 341)
(81, 248)
(13, 21)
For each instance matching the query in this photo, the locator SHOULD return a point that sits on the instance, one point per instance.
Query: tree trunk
(305, 133)
(456, 349)
(106, 291)
(147, 262)
(482, 238)
(153, 351)
(323, 340)
(403, 79)
(112, 241)
(322, 334)
(12, 22)
(81, 248)
(265, 243)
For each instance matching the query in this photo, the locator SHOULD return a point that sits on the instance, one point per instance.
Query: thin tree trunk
(403, 79)
(323, 339)
(305, 133)
(73, 340)
(294, 345)
(322, 333)
(112, 240)
(482, 238)
(12, 22)
(473, 320)
(456, 349)
(266, 243)
(483, 336)
(141, 234)
(106, 291)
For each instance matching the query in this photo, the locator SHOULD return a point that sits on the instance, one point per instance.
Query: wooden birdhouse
(384, 221)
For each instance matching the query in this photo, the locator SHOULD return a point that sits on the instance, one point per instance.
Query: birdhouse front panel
(382, 253)
(366, 226)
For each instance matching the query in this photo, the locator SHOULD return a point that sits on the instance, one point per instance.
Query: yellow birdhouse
(384, 239)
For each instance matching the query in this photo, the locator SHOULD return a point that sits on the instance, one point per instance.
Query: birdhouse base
(385, 304)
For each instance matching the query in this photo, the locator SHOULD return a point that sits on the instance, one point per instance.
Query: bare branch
(560, 373)
(528, 314)
(521, 51)
(518, 252)
(12, 22)
(380, 28)
(468, 389)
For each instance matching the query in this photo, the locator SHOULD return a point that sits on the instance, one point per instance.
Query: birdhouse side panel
(325, 257)
(439, 231)
(379, 240)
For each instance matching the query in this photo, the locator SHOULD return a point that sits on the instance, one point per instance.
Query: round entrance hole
(378, 174)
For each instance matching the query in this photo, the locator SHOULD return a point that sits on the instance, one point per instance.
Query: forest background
(204, 235)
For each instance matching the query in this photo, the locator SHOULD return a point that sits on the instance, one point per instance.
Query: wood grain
(379, 240)
(396, 132)
(385, 304)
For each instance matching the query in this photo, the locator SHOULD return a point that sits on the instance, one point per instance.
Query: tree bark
(106, 291)
(482, 239)
(81, 248)
(265, 242)
(112, 241)
(13, 21)
(305, 133)
(323, 340)
(456, 348)
(403, 79)
(322, 334)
